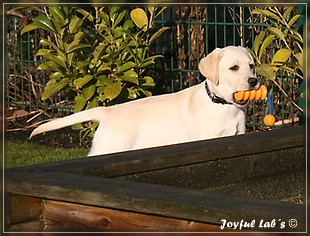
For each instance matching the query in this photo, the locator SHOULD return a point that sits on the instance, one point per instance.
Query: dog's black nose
(253, 81)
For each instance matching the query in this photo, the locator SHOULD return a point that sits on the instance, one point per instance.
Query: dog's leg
(241, 124)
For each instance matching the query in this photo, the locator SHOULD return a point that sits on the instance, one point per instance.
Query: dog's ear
(208, 65)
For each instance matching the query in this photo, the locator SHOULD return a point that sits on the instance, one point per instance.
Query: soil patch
(64, 138)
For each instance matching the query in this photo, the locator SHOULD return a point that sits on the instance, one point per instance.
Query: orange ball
(269, 120)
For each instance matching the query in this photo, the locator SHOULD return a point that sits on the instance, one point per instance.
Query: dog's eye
(235, 67)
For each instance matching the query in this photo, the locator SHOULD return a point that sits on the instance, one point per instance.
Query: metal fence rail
(194, 32)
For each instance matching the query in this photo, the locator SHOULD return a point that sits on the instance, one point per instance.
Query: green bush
(99, 54)
(279, 47)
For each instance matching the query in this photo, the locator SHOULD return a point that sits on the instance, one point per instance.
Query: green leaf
(112, 90)
(130, 79)
(300, 58)
(276, 32)
(86, 14)
(78, 36)
(292, 71)
(52, 88)
(48, 65)
(118, 32)
(99, 50)
(89, 91)
(140, 52)
(147, 81)
(130, 76)
(293, 20)
(131, 73)
(106, 19)
(265, 44)
(29, 27)
(75, 24)
(288, 69)
(146, 63)
(281, 56)
(80, 82)
(128, 24)
(48, 43)
(158, 33)
(113, 12)
(73, 47)
(100, 91)
(149, 61)
(58, 14)
(266, 13)
(56, 75)
(80, 102)
(120, 17)
(92, 103)
(103, 67)
(132, 94)
(296, 35)
(139, 17)
(49, 56)
(144, 91)
(126, 66)
(44, 23)
(266, 71)
(287, 12)
(103, 80)
(257, 41)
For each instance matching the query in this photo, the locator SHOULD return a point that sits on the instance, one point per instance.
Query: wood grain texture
(24, 208)
(68, 216)
(193, 205)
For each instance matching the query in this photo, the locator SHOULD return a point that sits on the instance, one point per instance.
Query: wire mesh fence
(194, 32)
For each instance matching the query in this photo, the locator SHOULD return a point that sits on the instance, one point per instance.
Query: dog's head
(231, 69)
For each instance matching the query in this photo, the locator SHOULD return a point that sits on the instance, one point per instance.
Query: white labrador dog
(207, 110)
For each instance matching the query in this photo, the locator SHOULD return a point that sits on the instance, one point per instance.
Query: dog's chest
(221, 120)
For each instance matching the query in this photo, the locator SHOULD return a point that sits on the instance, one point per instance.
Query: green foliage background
(99, 54)
(278, 49)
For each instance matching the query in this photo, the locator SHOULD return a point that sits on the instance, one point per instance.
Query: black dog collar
(215, 98)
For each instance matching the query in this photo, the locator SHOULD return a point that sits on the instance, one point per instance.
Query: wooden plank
(171, 202)
(130, 162)
(31, 226)
(63, 216)
(24, 209)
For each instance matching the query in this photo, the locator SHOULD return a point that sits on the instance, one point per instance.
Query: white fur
(188, 115)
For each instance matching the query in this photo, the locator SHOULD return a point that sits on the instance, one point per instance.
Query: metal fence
(194, 32)
(25, 83)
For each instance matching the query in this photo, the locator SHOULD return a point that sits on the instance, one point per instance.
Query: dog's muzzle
(253, 82)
